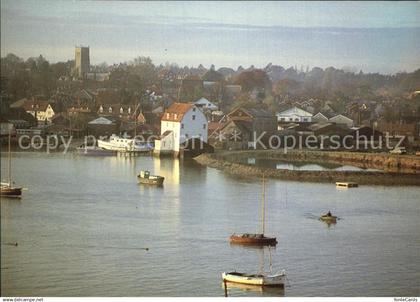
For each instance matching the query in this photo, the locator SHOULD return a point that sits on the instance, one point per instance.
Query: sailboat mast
(263, 207)
(10, 160)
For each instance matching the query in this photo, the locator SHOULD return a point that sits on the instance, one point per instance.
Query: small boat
(271, 290)
(252, 239)
(329, 218)
(346, 184)
(256, 279)
(255, 239)
(6, 188)
(94, 151)
(145, 178)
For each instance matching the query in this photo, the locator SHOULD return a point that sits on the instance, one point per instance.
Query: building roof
(205, 103)
(295, 111)
(101, 121)
(326, 114)
(176, 112)
(256, 112)
(251, 112)
(18, 103)
(31, 105)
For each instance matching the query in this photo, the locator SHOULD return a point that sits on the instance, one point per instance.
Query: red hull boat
(256, 239)
(253, 239)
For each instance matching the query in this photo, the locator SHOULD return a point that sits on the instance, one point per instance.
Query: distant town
(75, 98)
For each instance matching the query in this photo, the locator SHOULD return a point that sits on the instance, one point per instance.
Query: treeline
(36, 76)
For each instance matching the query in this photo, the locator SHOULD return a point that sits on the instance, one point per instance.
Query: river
(84, 223)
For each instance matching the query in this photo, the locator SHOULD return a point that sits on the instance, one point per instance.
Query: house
(341, 120)
(41, 110)
(410, 130)
(118, 110)
(180, 124)
(329, 129)
(322, 117)
(60, 119)
(102, 126)
(366, 137)
(244, 126)
(205, 104)
(328, 117)
(294, 114)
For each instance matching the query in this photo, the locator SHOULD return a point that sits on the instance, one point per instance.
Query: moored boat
(346, 184)
(252, 239)
(145, 178)
(256, 279)
(6, 188)
(122, 144)
(94, 151)
(255, 239)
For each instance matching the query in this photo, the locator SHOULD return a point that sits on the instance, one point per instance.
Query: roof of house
(176, 112)
(256, 112)
(253, 112)
(295, 111)
(340, 116)
(327, 114)
(18, 103)
(31, 105)
(101, 121)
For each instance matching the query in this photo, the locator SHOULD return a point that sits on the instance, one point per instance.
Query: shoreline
(388, 163)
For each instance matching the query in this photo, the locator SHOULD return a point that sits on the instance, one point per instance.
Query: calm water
(303, 166)
(83, 222)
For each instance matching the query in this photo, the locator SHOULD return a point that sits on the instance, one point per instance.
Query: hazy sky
(373, 36)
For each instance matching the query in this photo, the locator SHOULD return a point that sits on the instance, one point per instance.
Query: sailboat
(256, 239)
(261, 279)
(7, 188)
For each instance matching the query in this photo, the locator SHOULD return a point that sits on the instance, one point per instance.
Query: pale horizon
(379, 37)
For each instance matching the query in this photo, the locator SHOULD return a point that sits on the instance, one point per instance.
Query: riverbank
(408, 167)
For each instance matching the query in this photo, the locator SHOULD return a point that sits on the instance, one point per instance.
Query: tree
(250, 79)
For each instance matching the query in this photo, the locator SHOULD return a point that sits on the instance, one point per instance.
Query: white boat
(117, 143)
(94, 151)
(277, 279)
(7, 189)
(346, 184)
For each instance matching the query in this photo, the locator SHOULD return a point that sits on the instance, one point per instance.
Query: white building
(294, 114)
(181, 122)
(41, 110)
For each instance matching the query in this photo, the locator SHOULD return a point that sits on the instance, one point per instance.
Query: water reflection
(299, 165)
(168, 168)
(239, 289)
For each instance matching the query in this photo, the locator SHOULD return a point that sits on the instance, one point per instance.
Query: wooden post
(226, 292)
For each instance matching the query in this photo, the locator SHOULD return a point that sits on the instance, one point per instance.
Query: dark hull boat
(9, 191)
(253, 239)
(6, 188)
